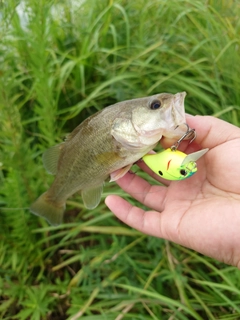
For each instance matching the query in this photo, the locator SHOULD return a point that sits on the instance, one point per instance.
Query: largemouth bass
(106, 145)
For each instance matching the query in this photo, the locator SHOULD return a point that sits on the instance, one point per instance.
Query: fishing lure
(172, 164)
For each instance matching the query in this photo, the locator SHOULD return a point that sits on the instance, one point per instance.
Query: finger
(208, 231)
(211, 131)
(148, 222)
(151, 196)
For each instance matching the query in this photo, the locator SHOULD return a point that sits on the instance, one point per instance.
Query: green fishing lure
(172, 164)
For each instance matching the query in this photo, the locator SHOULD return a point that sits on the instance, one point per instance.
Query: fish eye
(160, 173)
(155, 104)
(183, 172)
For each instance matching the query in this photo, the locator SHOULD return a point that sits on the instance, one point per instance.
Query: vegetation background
(61, 61)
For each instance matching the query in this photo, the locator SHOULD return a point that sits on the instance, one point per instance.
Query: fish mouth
(178, 111)
(176, 123)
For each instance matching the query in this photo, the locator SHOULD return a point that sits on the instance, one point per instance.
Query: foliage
(61, 61)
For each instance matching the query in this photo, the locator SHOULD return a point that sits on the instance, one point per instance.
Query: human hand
(202, 212)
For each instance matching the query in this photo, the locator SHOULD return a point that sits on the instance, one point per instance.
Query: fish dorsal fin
(50, 158)
(194, 156)
(91, 197)
(77, 130)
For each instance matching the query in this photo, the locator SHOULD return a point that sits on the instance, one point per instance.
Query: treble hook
(175, 146)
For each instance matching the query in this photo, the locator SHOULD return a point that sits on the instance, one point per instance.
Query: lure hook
(189, 132)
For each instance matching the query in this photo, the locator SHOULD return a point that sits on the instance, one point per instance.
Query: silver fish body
(107, 144)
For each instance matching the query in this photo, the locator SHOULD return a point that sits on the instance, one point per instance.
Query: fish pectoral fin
(115, 175)
(92, 197)
(50, 158)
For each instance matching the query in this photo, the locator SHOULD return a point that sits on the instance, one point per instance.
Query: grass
(61, 61)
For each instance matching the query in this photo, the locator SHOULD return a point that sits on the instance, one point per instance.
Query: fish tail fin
(51, 210)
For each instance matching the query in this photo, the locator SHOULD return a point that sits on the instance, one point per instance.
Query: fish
(172, 164)
(105, 145)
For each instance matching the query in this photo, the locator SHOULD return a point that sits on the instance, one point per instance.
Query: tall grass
(61, 61)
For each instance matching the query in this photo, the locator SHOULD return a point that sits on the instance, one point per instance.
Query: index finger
(211, 131)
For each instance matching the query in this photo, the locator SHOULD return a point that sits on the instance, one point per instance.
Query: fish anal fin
(50, 158)
(50, 210)
(92, 197)
(82, 128)
(115, 175)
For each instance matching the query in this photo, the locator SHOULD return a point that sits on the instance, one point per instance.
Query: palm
(202, 212)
